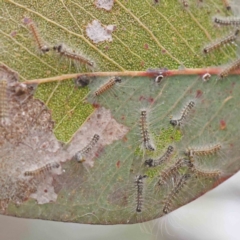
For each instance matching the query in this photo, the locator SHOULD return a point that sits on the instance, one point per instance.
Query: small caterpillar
(184, 114)
(205, 174)
(3, 101)
(229, 39)
(79, 156)
(234, 21)
(225, 72)
(203, 151)
(144, 131)
(111, 82)
(40, 43)
(165, 157)
(226, 4)
(172, 171)
(72, 55)
(168, 202)
(139, 181)
(47, 168)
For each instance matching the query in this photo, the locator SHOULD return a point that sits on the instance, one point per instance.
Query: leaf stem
(149, 73)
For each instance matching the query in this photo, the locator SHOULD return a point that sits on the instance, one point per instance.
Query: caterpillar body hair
(37, 37)
(108, 85)
(79, 156)
(47, 168)
(172, 171)
(172, 196)
(139, 181)
(187, 109)
(146, 140)
(165, 157)
(222, 42)
(4, 111)
(63, 51)
(227, 21)
(205, 174)
(203, 151)
(225, 72)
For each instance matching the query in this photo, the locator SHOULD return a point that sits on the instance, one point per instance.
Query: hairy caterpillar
(79, 156)
(144, 131)
(165, 157)
(172, 196)
(39, 41)
(47, 168)
(77, 58)
(228, 39)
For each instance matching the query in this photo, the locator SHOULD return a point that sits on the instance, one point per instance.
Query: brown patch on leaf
(102, 123)
(27, 143)
(223, 124)
(118, 164)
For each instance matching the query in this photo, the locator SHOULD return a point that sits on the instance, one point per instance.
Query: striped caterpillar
(205, 174)
(144, 131)
(184, 114)
(172, 171)
(172, 196)
(63, 51)
(139, 181)
(79, 156)
(165, 157)
(225, 72)
(108, 85)
(203, 151)
(39, 41)
(227, 21)
(229, 39)
(47, 168)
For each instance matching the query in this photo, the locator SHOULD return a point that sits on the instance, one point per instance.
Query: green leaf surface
(102, 189)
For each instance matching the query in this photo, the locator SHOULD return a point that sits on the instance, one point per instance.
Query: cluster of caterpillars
(60, 49)
(231, 38)
(180, 169)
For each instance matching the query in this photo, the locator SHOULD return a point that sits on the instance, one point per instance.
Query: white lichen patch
(105, 4)
(102, 123)
(98, 33)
